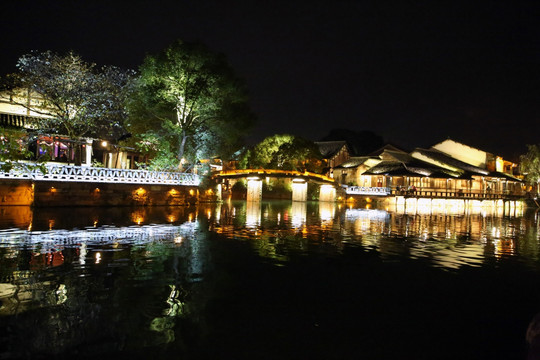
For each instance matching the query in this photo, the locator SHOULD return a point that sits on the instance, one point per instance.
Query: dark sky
(415, 72)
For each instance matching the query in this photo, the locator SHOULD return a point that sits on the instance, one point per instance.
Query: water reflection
(449, 239)
(253, 214)
(23, 217)
(327, 211)
(298, 212)
(426, 206)
(117, 279)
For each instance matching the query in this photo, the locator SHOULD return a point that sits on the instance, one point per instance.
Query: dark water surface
(271, 280)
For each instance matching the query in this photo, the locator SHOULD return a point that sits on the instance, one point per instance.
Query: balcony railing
(432, 193)
(364, 190)
(71, 173)
(463, 194)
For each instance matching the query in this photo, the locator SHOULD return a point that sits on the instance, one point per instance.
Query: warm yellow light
(137, 217)
(209, 191)
(51, 224)
(104, 143)
(173, 192)
(368, 200)
(171, 218)
(52, 189)
(191, 192)
(140, 192)
(178, 240)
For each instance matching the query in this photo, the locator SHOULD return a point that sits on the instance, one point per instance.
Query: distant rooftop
(330, 148)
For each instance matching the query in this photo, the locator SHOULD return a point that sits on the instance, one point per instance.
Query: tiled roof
(446, 159)
(412, 168)
(387, 147)
(353, 162)
(330, 148)
(399, 156)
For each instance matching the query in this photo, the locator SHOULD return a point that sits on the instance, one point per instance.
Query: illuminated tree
(189, 98)
(285, 152)
(265, 154)
(300, 154)
(13, 147)
(530, 165)
(73, 97)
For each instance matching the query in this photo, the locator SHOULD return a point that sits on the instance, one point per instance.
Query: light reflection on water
(447, 239)
(149, 272)
(276, 229)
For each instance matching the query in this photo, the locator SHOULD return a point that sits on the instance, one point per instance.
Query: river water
(267, 280)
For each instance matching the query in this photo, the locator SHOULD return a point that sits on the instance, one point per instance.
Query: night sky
(415, 72)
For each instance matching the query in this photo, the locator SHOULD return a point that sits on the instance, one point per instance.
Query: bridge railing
(365, 190)
(72, 173)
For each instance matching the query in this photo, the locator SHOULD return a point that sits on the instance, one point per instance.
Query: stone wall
(16, 192)
(51, 193)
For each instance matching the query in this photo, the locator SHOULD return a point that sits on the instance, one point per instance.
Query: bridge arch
(299, 182)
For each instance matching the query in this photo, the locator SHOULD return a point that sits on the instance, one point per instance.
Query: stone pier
(327, 193)
(254, 189)
(299, 190)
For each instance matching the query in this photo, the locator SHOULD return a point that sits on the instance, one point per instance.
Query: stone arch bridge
(255, 178)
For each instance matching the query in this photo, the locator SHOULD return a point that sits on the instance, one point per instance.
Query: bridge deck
(246, 173)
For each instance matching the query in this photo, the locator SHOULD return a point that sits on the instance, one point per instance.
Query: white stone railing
(71, 173)
(364, 190)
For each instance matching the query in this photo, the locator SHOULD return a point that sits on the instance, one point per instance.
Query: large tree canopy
(189, 104)
(530, 165)
(13, 148)
(286, 152)
(73, 97)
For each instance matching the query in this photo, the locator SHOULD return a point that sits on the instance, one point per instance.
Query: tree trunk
(77, 149)
(181, 150)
